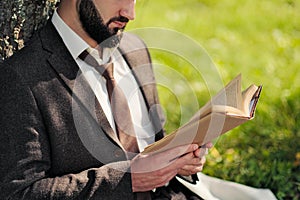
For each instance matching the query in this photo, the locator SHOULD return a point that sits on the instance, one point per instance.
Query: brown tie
(119, 105)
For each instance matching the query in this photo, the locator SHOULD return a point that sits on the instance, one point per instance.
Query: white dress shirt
(76, 45)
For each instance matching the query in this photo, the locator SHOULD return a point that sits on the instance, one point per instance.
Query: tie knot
(106, 70)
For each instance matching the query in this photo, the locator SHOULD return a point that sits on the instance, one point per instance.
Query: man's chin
(112, 41)
(120, 33)
(117, 31)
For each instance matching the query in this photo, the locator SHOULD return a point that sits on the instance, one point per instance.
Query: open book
(225, 111)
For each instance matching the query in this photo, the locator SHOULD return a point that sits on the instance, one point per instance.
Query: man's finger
(209, 145)
(181, 150)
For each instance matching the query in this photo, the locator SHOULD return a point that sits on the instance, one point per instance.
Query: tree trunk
(19, 19)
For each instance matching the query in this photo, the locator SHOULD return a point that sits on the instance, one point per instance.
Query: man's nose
(128, 10)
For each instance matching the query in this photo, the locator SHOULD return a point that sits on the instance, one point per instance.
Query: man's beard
(94, 25)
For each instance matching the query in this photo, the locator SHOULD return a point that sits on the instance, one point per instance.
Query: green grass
(261, 40)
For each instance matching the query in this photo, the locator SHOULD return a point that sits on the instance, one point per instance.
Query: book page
(254, 100)
(231, 95)
(248, 100)
(199, 132)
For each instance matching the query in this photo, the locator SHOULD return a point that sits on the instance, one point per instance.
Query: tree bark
(19, 19)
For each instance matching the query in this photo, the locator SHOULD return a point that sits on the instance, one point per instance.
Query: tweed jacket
(54, 144)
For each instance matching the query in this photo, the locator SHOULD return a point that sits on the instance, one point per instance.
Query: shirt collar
(75, 44)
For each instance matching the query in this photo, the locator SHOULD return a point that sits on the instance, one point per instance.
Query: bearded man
(63, 133)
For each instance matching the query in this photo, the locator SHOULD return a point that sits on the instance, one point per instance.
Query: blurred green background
(261, 40)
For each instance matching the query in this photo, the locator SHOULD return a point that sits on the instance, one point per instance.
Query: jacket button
(118, 153)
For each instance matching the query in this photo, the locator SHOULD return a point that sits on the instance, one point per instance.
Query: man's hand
(198, 160)
(155, 170)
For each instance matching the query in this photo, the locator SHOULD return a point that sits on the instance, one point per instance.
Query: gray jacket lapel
(59, 57)
(138, 59)
(85, 94)
(62, 62)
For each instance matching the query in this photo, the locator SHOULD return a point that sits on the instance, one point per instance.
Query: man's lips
(118, 24)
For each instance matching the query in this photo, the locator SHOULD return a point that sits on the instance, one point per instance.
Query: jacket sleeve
(25, 156)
